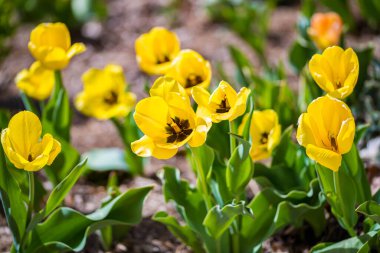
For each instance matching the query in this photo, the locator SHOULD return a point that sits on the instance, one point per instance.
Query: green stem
(235, 242)
(31, 194)
(58, 82)
(232, 139)
(28, 103)
(203, 182)
(336, 180)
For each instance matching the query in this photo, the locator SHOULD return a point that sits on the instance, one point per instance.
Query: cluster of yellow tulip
(327, 130)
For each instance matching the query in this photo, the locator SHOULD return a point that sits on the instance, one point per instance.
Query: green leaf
(351, 245)
(68, 229)
(218, 220)
(15, 209)
(299, 55)
(189, 203)
(56, 117)
(106, 159)
(370, 209)
(184, 233)
(239, 169)
(361, 131)
(341, 193)
(202, 159)
(274, 210)
(60, 191)
(218, 139)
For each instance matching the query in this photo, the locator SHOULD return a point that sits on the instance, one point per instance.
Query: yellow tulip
(165, 85)
(104, 95)
(327, 131)
(265, 134)
(168, 123)
(223, 104)
(50, 43)
(37, 82)
(335, 71)
(156, 49)
(325, 29)
(190, 69)
(23, 146)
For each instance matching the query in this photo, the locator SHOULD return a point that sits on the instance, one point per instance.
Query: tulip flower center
(224, 106)
(193, 80)
(178, 130)
(30, 158)
(334, 145)
(338, 85)
(111, 98)
(164, 59)
(264, 138)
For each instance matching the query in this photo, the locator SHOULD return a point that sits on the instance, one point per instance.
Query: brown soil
(113, 42)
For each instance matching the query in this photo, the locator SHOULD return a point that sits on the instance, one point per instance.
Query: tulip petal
(76, 48)
(145, 147)
(24, 131)
(201, 96)
(346, 136)
(151, 116)
(325, 157)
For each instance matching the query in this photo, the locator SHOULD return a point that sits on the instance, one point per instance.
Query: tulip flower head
(265, 134)
(23, 146)
(37, 82)
(325, 29)
(50, 43)
(327, 131)
(190, 69)
(336, 71)
(223, 104)
(104, 95)
(156, 49)
(168, 123)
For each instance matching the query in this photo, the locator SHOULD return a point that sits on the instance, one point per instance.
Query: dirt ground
(113, 42)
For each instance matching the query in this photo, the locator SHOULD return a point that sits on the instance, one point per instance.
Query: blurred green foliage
(248, 18)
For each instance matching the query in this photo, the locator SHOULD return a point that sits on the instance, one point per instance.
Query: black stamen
(193, 80)
(264, 138)
(111, 99)
(176, 135)
(224, 106)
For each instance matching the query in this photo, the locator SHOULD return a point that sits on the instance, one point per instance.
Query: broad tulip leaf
(202, 159)
(218, 220)
(274, 210)
(361, 131)
(239, 169)
(351, 245)
(189, 203)
(218, 139)
(182, 232)
(106, 159)
(299, 55)
(60, 191)
(355, 166)
(370, 209)
(68, 229)
(15, 209)
(341, 193)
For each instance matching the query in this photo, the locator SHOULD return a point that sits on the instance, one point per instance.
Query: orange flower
(325, 29)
